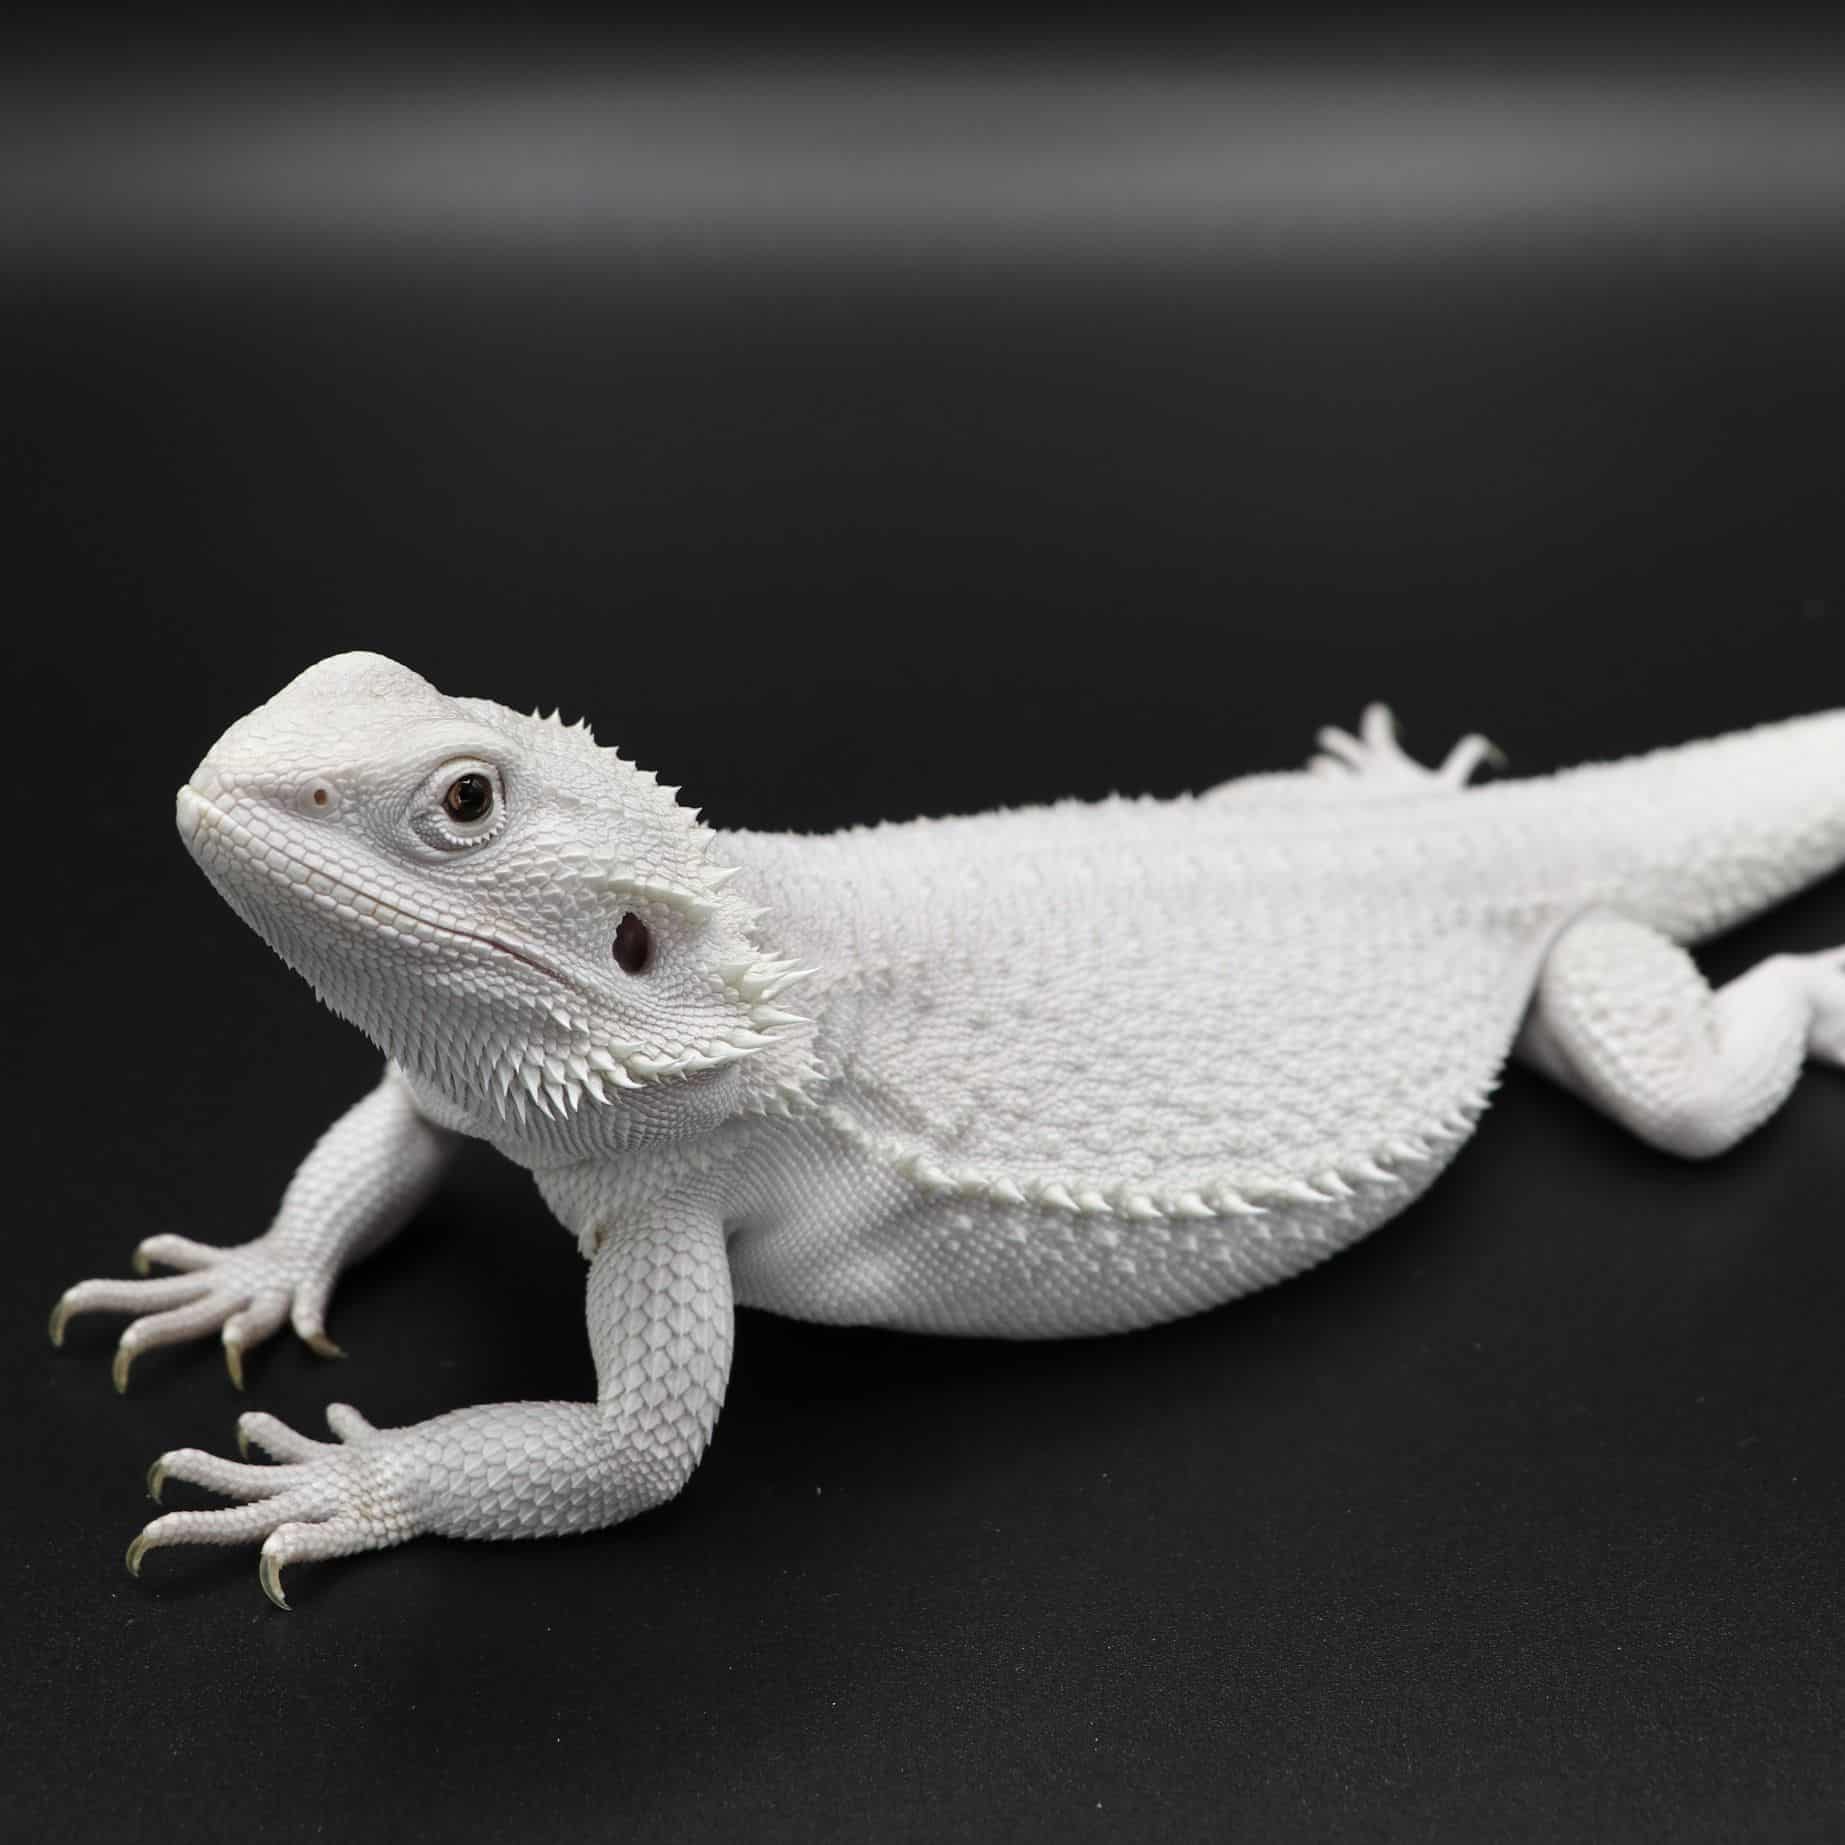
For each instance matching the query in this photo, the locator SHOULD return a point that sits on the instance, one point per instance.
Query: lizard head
(514, 914)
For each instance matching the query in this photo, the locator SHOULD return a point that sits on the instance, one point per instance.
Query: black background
(1522, 1520)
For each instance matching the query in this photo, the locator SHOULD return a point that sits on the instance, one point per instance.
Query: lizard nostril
(318, 796)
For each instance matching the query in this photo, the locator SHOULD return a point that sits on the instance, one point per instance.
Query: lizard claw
(269, 1574)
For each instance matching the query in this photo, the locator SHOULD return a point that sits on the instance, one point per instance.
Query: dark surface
(1522, 1520)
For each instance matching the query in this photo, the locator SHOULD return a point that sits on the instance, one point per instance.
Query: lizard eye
(461, 805)
(632, 944)
(469, 797)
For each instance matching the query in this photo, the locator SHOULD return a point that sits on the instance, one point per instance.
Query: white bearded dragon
(1069, 1069)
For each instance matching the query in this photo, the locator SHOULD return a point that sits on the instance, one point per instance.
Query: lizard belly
(829, 1230)
(1050, 1109)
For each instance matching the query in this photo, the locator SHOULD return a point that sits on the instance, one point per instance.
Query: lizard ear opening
(633, 944)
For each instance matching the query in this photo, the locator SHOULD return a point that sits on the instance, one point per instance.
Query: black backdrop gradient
(857, 430)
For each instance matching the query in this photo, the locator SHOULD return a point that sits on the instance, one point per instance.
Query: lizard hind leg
(1370, 763)
(1375, 757)
(1623, 1018)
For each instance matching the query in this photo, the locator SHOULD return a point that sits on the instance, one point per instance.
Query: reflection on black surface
(858, 160)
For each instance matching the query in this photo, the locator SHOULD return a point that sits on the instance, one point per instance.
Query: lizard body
(1061, 1070)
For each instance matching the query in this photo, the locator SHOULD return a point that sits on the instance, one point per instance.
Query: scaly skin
(1064, 1070)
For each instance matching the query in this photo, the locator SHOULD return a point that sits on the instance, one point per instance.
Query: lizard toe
(257, 1428)
(310, 1543)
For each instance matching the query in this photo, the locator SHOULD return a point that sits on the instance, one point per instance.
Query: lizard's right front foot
(1375, 758)
(325, 1499)
(242, 1293)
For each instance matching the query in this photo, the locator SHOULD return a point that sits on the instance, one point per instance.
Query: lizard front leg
(364, 1179)
(660, 1327)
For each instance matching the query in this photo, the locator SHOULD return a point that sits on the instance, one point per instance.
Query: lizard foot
(1376, 758)
(242, 1293)
(1826, 1032)
(322, 1499)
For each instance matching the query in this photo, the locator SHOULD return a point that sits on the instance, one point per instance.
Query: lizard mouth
(206, 828)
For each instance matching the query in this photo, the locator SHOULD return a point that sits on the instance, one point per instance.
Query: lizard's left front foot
(1375, 757)
(325, 1499)
(242, 1293)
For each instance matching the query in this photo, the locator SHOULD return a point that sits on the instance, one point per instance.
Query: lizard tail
(1710, 834)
